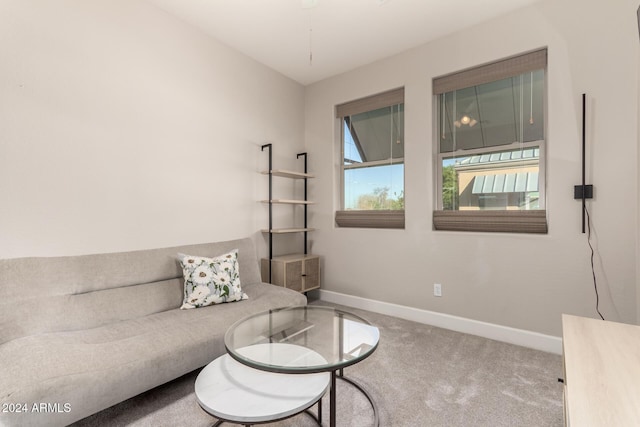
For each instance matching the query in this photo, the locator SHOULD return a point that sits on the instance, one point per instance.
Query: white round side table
(236, 393)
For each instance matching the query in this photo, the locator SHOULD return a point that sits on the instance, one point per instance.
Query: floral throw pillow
(210, 281)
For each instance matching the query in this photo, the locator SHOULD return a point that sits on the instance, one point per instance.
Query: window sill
(370, 219)
(532, 221)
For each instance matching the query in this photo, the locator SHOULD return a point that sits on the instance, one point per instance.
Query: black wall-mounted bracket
(588, 192)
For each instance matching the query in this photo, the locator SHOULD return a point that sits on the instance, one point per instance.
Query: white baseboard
(521, 337)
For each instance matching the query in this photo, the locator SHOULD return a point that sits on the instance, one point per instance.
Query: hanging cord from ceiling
(310, 47)
(531, 101)
(309, 5)
(593, 271)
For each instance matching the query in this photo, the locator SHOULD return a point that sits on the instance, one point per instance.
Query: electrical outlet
(437, 289)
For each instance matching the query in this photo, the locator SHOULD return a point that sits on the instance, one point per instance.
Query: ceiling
(310, 40)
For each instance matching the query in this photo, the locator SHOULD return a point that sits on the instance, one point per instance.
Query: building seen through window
(491, 144)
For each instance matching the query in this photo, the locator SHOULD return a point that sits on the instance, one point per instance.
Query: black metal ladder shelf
(271, 201)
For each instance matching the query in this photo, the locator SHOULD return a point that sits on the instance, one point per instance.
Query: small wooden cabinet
(299, 272)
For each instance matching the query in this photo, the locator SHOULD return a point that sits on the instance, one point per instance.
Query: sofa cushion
(87, 291)
(209, 281)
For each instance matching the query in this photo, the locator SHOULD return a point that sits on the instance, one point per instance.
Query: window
(372, 161)
(491, 145)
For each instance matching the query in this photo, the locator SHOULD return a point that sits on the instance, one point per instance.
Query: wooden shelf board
(287, 230)
(293, 257)
(289, 202)
(288, 174)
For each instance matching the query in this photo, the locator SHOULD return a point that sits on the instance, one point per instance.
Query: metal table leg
(332, 398)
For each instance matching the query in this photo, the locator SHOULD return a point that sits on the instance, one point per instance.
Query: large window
(372, 161)
(491, 145)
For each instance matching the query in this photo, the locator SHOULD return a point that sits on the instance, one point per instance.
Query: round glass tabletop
(340, 337)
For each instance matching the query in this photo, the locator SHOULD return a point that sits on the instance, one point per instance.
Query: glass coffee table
(339, 337)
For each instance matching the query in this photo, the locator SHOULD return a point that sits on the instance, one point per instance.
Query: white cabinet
(601, 372)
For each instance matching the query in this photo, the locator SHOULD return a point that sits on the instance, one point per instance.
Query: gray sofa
(79, 334)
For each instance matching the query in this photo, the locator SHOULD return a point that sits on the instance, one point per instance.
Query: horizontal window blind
(493, 71)
(531, 221)
(370, 219)
(370, 103)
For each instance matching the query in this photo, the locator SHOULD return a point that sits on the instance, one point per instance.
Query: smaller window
(372, 164)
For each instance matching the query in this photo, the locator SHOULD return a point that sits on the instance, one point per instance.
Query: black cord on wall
(593, 270)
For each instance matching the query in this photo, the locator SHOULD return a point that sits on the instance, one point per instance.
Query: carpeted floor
(419, 376)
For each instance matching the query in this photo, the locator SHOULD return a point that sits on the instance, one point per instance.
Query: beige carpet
(419, 376)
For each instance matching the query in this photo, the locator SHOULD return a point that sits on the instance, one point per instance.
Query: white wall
(123, 128)
(521, 281)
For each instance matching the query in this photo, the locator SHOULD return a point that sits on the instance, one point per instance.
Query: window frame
(512, 221)
(386, 218)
